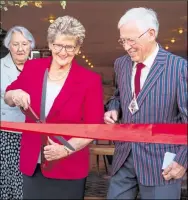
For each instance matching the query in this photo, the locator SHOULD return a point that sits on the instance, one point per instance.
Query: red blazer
(80, 101)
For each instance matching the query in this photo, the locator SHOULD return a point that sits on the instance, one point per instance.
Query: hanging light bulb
(83, 56)
(166, 47)
(180, 31)
(63, 4)
(17, 3)
(79, 52)
(89, 63)
(87, 60)
(38, 4)
(23, 3)
(51, 19)
(92, 66)
(173, 40)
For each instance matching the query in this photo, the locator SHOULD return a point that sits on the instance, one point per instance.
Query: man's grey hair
(21, 30)
(145, 18)
(68, 26)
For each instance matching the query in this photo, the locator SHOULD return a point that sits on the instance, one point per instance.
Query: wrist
(67, 150)
(13, 94)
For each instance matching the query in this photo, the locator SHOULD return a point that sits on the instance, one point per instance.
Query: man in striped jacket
(151, 88)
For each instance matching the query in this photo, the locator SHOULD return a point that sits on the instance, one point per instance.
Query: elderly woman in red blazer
(73, 95)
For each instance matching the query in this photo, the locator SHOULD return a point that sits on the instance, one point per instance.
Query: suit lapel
(67, 90)
(155, 72)
(129, 76)
(126, 78)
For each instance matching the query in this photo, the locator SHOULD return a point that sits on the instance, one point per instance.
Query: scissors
(31, 114)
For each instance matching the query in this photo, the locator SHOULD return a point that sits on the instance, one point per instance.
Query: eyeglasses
(68, 48)
(130, 41)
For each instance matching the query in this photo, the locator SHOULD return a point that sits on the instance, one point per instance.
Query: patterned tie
(139, 67)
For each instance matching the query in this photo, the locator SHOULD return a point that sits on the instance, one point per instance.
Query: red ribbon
(149, 133)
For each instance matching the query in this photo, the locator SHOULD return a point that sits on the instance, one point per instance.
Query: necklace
(60, 77)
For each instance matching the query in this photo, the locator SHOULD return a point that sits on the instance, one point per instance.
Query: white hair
(21, 30)
(145, 18)
(66, 25)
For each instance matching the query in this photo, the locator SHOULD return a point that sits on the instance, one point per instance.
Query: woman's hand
(54, 151)
(21, 98)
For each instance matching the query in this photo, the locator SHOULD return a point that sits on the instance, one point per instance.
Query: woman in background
(19, 41)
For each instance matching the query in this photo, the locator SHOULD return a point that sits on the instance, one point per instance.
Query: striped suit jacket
(163, 99)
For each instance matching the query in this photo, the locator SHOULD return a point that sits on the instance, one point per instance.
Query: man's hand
(174, 170)
(111, 117)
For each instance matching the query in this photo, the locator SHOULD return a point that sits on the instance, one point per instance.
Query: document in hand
(168, 159)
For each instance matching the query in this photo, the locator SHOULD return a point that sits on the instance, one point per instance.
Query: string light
(86, 60)
(173, 40)
(63, 4)
(180, 31)
(51, 19)
(39, 4)
(166, 47)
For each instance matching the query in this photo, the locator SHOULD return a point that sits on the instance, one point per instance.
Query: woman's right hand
(21, 98)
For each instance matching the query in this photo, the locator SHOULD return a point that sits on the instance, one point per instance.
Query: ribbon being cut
(149, 133)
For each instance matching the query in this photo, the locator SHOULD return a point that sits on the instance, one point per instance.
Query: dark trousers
(124, 185)
(40, 187)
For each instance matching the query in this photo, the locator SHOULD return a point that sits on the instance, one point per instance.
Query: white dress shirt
(52, 91)
(145, 71)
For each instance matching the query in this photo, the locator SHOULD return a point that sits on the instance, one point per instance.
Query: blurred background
(100, 49)
(100, 19)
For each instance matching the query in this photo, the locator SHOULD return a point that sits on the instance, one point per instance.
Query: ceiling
(100, 19)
